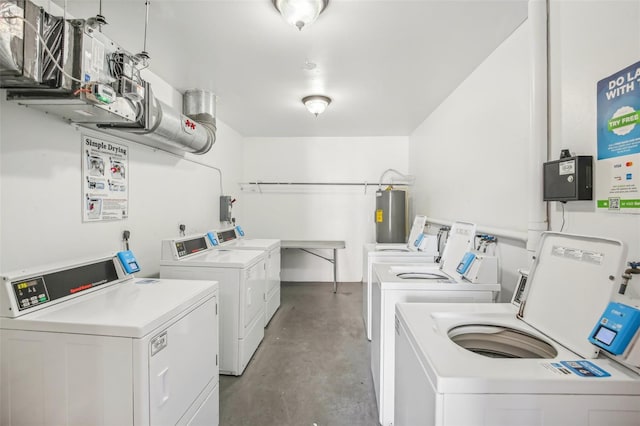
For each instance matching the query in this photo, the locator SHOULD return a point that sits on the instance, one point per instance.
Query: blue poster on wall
(618, 126)
(619, 113)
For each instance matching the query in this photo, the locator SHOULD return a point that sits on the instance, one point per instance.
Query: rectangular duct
(96, 84)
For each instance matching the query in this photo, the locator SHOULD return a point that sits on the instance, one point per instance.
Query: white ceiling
(386, 64)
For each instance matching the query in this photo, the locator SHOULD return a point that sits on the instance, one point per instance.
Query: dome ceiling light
(300, 13)
(316, 104)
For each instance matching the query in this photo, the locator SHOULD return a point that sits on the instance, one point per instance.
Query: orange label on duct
(379, 216)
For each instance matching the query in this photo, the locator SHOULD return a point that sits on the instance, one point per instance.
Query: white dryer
(492, 364)
(87, 344)
(241, 278)
(460, 241)
(409, 283)
(235, 238)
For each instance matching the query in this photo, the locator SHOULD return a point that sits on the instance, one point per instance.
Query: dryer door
(183, 361)
(253, 290)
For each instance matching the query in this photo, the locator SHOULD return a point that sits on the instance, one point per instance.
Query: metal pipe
(538, 221)
(146, 24)
(324, 183)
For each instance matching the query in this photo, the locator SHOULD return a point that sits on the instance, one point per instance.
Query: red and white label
(189, 126)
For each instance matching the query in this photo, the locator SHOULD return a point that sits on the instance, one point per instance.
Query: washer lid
(459, 242)
(570, 284)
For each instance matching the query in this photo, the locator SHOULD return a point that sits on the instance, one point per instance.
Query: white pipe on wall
(538, 138)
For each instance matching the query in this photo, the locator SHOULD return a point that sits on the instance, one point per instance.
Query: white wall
(471, 151)
(40, 187)
(585, 48)
(469, 155)
(320, 212)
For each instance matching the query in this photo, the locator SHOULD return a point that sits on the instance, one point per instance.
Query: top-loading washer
(494, 364)
(88, 344)
(241, 279)
(410, 283)
(235, 238)
(460, 241)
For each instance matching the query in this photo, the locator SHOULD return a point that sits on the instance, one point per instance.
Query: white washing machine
(234, 238)
(88, 344)
(460, 241)
(409, 283)
(241, 278)
(492, 364)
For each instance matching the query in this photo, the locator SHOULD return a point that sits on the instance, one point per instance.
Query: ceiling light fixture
(316, 104)
(300, 12)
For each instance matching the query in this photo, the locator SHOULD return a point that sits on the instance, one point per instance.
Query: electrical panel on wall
(568, 179)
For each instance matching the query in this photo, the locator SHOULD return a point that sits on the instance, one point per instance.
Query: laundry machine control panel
(30, 292)
(227, 235)
(190, 246)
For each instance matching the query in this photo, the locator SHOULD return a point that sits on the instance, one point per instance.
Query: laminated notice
(580, 368)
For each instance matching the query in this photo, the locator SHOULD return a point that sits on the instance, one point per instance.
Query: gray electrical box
(225, 208)
(568, 179)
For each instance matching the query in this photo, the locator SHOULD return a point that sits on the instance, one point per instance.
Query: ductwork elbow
(200, 106)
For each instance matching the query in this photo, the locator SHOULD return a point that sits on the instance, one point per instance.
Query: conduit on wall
(538, 138)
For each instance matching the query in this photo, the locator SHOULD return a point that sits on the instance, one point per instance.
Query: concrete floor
(312, 368)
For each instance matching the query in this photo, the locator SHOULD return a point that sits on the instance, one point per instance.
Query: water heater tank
(390, 216)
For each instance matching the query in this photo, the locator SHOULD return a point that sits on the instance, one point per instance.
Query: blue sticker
(582, 368)
(87, 78)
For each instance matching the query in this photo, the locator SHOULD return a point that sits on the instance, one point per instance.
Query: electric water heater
(390, 216)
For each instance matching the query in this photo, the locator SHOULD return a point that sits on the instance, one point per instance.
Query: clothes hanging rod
(329, 183)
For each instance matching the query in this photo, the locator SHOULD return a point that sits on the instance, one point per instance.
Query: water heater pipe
(409, 179)
(538, 220)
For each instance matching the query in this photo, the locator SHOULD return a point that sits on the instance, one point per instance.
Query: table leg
(335, 270)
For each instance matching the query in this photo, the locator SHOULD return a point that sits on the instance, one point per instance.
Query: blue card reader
(128, 261)
(616, 329)
(465, 263)
(240, 231)
(418, 241)
(213, 238)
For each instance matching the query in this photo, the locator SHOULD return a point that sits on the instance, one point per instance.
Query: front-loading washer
(460, 240)
(241, 277)
(88, 344)
(235, 238)
(409, 283)
(497, 365)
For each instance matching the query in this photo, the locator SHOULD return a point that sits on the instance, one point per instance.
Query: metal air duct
(200, 105)
(165, 128)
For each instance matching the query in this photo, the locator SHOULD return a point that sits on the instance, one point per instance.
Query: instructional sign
(580, 368)
(618, 165)
(105, 180)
